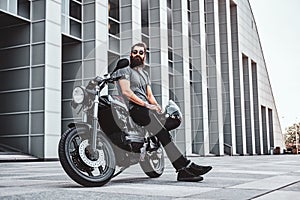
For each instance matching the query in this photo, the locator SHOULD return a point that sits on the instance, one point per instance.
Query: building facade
(206, 55)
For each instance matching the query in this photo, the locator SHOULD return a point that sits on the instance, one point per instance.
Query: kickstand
(120, 171)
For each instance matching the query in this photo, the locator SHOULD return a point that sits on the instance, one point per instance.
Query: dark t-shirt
(139, 79)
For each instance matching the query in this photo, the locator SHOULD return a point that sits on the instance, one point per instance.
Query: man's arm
(152, 99)
(127, 92)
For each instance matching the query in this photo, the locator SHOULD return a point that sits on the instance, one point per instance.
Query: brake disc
(91, 163)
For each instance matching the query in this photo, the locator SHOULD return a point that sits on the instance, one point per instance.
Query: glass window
(75, 28)
(89, 68)
(112, 59)
(6, 127)
(71, 71)
(12, 6)
(89, 12)
(3, 5)
(145, 17)
(113, 9)
(8, 57)
(169, 21)
(189, 10)
(114, 44)
(75, 10)
(38, 54)
(169, 3)
(21, 75)
(10, 102)
(37, 99)
(38, 31)
(113, 27)
(37, 75)
(38, 8)
(24, 8)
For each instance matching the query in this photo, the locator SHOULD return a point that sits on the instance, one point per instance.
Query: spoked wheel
(154, 163)
(84, 167)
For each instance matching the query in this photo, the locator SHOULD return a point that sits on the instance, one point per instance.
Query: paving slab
(271, 183)
(237, 177)
(280, 195)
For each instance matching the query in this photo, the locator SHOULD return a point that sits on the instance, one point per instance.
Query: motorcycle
(107, 141)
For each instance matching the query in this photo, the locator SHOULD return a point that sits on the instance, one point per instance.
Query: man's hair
(140, 44)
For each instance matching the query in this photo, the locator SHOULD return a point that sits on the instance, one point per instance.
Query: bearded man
(135, 86)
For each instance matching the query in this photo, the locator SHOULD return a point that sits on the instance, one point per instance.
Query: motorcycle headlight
(78, 95)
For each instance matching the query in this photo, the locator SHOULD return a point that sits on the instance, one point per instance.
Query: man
(136, 87)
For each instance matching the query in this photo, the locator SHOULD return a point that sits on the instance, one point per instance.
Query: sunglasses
(141, 52)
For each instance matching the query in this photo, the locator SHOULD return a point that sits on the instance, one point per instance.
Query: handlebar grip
(98, 79)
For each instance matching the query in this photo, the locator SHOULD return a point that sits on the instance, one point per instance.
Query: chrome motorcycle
(107, 141)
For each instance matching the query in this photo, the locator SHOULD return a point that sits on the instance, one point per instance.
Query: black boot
(185, 175)
(198, 169)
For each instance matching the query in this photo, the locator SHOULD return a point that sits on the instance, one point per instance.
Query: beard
(136, 61)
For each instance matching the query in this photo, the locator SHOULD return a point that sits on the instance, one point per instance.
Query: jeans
(149, 119)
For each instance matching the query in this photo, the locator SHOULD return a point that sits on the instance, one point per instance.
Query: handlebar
(112, 79)
(98, 80)
(101, 82)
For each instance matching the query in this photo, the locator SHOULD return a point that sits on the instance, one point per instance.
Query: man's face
(138, 51)
(137, 57)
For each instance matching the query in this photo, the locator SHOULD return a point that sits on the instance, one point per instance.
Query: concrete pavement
(238, 177)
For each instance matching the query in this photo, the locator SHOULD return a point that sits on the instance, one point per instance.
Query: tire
(74, 148)
(154, 163)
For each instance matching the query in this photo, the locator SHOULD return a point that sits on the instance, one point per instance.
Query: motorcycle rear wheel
(154, 163)
(74, 156)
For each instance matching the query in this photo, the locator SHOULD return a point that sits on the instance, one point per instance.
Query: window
(71, 17)
(113, 9)
(75, 10)
(145, 17)
(113, 27)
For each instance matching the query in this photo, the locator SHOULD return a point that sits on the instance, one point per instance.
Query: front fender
(84, 125)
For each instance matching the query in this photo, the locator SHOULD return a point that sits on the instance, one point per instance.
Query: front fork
(95, 119)
(94, 122)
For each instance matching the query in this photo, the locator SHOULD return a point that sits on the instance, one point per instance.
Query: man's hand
(157, 107)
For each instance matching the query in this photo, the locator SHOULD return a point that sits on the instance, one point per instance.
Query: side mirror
(122, 63)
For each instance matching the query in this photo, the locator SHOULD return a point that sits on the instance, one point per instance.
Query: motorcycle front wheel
(76, 159)
(154, 163)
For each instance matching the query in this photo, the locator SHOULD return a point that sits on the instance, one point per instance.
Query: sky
(278, 24)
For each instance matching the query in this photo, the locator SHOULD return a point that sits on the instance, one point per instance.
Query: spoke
(90, 172)
(75, 143)
(101, 169)
(73, 153)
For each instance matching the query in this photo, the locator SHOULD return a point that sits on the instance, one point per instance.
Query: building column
(251, 106)
(199, 109)
(158, 44)
(268, 131)
(186, 79)
(164, 70)
(204, 79)
(101, 37)
(231, 82)
(181, 66)
(52, 118)
(219, 81)
(130, 25)
(242, 101)
(214, 78)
